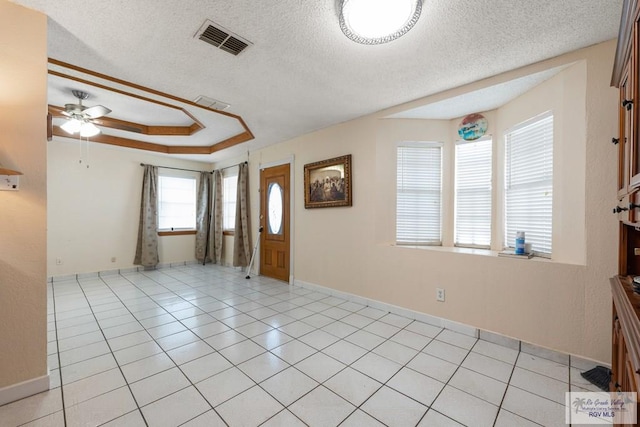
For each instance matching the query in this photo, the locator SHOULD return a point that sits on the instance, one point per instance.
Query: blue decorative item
(472, 127)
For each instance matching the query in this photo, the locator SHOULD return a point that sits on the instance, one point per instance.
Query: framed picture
(327, 184)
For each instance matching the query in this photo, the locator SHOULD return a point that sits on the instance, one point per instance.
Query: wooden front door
(274, 220)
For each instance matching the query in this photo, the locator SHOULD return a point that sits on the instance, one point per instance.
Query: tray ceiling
(300, 73)
(142, 118)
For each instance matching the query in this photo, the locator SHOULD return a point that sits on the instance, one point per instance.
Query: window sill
(229, 233)
(176, 232)
(470, 251)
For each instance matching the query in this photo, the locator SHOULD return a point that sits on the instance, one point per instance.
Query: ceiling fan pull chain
(86, 142)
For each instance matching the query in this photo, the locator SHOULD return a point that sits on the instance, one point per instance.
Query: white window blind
(529, 183)
(419, 193)
(473, 193)
(176, 203)
(229, 194)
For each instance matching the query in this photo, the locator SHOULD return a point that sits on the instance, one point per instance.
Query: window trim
(231, 172)
(176, 231)
(528, 122)
(422, 144)
(181, 232)
(493, 178)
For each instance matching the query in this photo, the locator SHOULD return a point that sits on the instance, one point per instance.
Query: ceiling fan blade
(96, 111)
(66, 113)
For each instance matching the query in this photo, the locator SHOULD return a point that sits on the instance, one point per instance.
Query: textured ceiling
(484, 99)
(302, 73)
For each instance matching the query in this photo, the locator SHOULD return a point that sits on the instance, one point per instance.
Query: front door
(274, 220)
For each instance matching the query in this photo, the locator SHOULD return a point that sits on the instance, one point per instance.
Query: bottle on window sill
(519, 243)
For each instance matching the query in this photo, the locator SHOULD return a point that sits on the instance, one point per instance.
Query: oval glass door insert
(274, 208)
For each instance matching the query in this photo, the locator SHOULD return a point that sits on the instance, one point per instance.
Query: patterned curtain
(242, 238)
(147, 247)
(215, 230)
(203, 217)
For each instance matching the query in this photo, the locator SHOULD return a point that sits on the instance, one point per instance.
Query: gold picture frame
(327, 184)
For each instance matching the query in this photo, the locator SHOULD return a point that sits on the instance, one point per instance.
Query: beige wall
(564, 305)
(93, 212)
(23, 108)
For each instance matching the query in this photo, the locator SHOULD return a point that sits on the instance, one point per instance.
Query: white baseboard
(24, 389)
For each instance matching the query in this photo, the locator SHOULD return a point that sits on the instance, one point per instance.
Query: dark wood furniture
(625, 358)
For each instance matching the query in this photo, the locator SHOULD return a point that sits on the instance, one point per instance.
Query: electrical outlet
(440, 294)
(58, 261)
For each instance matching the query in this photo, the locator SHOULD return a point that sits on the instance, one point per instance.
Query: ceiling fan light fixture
(71, 126)
(88, 129)
(378, 21)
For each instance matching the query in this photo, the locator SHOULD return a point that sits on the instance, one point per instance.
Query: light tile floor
(203, 346)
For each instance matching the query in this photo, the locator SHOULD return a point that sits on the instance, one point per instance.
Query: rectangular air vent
(222, 38)
(205, 101)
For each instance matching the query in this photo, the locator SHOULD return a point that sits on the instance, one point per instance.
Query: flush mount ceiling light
(378, 21)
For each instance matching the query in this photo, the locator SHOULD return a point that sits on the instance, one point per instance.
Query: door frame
(292, 203)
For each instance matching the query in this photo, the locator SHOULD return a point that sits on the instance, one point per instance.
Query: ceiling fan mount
(80, 94)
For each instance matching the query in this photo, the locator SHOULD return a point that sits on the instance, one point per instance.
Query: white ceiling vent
(205, 101)
(222, 38)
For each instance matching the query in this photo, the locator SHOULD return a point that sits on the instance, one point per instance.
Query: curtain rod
(232, 166)
(192, 170)
(178, 169)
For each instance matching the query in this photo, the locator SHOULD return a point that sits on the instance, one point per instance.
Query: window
(419, 193)
(529, 182)
(473, 193)
(176, 203)
(229, 193)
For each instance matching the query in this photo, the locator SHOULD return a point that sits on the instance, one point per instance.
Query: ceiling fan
(80, 116)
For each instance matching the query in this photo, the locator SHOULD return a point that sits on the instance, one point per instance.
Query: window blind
(176, 203)
(419, 193)
(229, 194)
(529, 183)
(473, 193)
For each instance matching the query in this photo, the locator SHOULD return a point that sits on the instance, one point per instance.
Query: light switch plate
(9, 182)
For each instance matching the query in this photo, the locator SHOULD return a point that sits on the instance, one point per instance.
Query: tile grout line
(504, 395)
(55, 320)
(358, 407)
(290, 365)
(166, 354)
(373, 320)
(201, 339)
(112, 355)
(78, 280)
(449, 380)
(285, 408)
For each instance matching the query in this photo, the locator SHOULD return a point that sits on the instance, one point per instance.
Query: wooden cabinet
(624, 140)
(625, 349)
(625, 356)
(630, 103)
(622, 208)
(634, 206)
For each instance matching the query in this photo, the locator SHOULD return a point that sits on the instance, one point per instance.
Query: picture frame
(327, 184)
